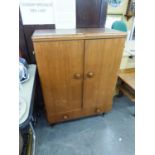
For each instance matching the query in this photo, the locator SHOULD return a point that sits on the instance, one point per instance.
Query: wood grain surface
(58, 63)
(102, 58)
(74, 34)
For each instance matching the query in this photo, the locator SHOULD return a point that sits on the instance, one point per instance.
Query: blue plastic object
(119, 25)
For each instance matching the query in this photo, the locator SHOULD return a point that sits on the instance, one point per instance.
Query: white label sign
(65, 13)
(37, 12)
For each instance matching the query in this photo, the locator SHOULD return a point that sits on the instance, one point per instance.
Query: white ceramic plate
(22, 107)
(25, 79)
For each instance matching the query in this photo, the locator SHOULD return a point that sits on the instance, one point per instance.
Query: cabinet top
(73, 34)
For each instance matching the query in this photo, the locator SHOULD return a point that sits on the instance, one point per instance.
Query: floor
(111, 134)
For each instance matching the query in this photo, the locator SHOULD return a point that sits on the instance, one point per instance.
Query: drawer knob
(90, 74)
(65, 116)
(98, 110)
(77, 76)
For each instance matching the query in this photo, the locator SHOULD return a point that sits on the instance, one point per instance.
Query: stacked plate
(22, 107)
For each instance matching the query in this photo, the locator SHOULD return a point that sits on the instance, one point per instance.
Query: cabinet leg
(120, 94)
(52, 125)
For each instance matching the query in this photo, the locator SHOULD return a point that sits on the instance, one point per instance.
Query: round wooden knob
(77, 76)
(98, 110)
(65, 117)
(90, 74)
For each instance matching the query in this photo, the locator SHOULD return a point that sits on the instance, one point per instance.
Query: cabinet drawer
(53, 118)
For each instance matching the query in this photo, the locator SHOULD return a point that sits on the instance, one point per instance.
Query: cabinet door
(60, 66)
(102, 60)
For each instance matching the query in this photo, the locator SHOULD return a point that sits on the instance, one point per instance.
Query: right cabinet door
(102, 61)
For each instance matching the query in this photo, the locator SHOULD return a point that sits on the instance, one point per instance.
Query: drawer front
(75, 114)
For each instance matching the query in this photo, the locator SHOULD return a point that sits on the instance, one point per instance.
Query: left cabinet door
(60, 66)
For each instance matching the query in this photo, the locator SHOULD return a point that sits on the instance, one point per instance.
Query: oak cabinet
(78, 70)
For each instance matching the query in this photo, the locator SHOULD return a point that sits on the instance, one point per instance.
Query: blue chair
(119, 25)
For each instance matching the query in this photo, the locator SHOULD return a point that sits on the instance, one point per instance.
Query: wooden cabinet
(78, 70)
